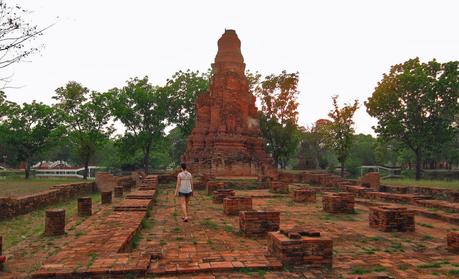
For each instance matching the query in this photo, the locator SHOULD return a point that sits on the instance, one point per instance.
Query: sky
(338, 47)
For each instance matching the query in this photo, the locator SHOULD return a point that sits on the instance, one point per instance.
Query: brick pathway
(102, 246)
(208, 242)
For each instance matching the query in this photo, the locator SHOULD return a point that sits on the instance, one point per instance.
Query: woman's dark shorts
(186, 195)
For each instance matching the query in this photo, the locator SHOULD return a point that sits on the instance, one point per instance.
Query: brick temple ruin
(226, 139)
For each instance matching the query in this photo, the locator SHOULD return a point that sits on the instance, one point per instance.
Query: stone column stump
(118, 192)
(84, 206)
(233, 205)
(304, 195)
(55, 222)
(452, 241)
(258, 223)
(391, 219)
(220, 194)
(106, 197)
(300, 247)
(279, 187)
(211, 186)
(338, 202)
(371, 180)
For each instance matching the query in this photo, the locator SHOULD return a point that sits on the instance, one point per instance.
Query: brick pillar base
(258, 223)
(279, 187)
(211, 186)
(303, 247)
(106, 197)
(338, 202)
(55, 222)
(391, 219)
(234, 205)
(220, 194)
(118, 191)
(452, 241)
(304, 195)
(84, 206)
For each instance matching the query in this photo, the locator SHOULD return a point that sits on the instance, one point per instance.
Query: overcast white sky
(339, 47)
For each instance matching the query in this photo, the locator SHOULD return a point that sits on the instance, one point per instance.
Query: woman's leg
(187, 201)
(184, 207)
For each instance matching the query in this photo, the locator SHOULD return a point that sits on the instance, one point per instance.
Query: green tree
(30, 128)
(85, 116)
(181, 90)
(340, 130)
(278, 95)
(143, 110)
(415, 103)
(177, 145)
(282, 139)
(362, 152)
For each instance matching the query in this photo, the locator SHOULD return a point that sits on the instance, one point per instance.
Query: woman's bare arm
(177, 185)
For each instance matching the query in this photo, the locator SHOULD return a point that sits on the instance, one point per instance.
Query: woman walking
(184, 190)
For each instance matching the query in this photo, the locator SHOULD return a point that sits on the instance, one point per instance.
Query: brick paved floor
(210, 242)
(210, 246)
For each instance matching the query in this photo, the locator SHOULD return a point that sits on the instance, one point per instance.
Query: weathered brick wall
(436, 193)
(258, 223)
(105, 181)
(168, 178)
(371, 180)
(10, 207)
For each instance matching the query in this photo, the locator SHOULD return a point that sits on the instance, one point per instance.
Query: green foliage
(181, 90)
(415, 104)
(142, 108)
(361, 153)
(85, 119)
(339, 132)
(282, 139)
(29, 128)
(279, 96)
(177, 147)
(278, 118)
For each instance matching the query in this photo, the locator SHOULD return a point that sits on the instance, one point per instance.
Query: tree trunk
(146, 161)
(27, 169)
(342, 169)
(418, 164)
(86, 168)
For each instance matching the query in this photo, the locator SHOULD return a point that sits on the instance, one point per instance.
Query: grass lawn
(21, 227)
(423, 183)
(18, 186)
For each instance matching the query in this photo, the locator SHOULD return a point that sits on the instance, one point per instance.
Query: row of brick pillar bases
(300, 246)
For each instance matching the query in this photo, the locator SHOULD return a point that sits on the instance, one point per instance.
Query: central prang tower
(226, 139)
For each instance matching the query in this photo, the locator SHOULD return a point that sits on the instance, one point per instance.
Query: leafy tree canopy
(85, 117)
(415, 103)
